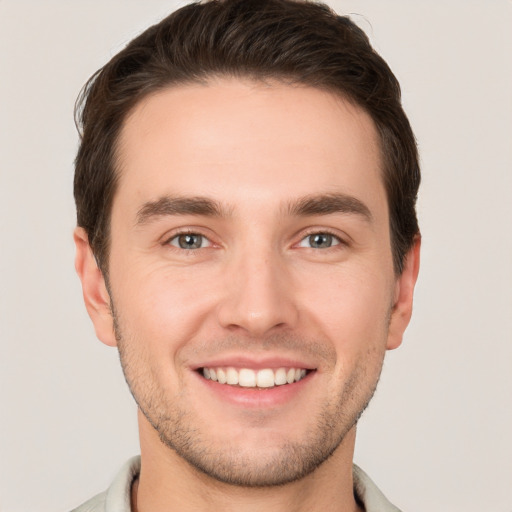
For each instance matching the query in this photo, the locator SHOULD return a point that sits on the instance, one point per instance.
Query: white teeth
(280, 378)
(247, 378)
(265, 379)
(221, 376)
(232, 376)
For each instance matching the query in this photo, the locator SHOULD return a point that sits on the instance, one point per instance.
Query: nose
(258, 296)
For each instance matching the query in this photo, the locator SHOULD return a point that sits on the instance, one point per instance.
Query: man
(247, 238)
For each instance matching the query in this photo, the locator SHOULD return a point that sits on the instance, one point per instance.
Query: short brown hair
(294, 41)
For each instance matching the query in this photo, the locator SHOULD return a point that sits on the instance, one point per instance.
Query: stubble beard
(177, 428)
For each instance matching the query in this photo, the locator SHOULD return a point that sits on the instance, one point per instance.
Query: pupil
(320, 240)
(190, 241)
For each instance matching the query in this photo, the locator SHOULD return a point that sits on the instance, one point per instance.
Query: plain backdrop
(437, 436)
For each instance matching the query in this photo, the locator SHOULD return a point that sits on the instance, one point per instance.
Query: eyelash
(338, 241)
(189, 232)
(322, 231)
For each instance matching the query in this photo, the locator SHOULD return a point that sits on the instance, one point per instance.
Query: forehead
(242, 141)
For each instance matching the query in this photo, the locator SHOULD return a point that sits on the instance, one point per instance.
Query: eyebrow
(168, 205)
(324, 204)
(327, 204)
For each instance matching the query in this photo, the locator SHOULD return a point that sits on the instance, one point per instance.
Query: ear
(96, 296)
(403, 298)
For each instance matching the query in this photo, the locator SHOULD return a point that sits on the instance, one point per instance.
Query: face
(250, 275)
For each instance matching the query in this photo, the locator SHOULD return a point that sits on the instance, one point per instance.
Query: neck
(167, 482)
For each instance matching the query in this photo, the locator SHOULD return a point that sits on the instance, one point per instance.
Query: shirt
(118, 496)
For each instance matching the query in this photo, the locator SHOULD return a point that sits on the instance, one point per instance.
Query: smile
(247, 378)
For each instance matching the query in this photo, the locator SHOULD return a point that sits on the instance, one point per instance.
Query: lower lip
(257, 398)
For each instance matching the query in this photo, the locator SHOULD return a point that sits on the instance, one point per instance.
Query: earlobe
(404, 292)
(95, 293)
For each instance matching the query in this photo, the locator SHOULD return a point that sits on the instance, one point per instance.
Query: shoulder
(369, 494)
(96, 504)
(117, 497)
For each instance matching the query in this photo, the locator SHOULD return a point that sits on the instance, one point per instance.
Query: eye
(189, 241)
(319, 241)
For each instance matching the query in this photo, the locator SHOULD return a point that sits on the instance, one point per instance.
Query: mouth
(263, 378)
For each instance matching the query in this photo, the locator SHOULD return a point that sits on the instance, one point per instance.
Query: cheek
(353, 315)
(163, 306)
(350, 307)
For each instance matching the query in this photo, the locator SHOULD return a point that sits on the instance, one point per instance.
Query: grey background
(437, 436)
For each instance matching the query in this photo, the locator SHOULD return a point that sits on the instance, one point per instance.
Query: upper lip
(253, 362)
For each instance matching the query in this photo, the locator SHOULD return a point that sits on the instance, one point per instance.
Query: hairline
(207, 80)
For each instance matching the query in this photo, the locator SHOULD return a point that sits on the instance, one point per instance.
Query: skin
(256, 292)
